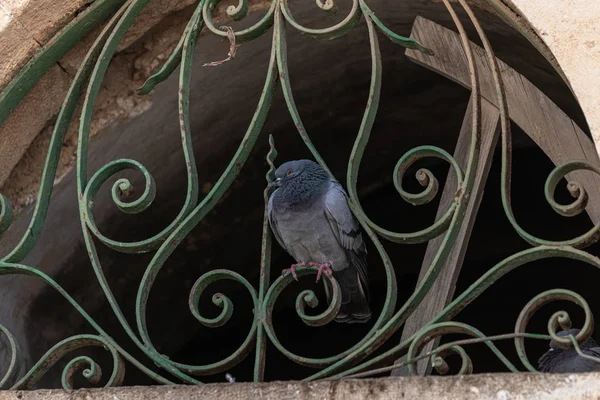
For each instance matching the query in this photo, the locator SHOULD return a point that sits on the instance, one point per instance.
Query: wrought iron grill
(355, 360)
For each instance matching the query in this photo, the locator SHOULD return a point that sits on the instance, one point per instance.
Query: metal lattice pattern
(277, 19)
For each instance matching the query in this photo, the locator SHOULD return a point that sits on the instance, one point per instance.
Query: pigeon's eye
(289, 172)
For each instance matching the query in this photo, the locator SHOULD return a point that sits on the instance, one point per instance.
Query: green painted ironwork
(352, 362)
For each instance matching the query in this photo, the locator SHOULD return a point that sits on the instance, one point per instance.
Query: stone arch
(120, 104)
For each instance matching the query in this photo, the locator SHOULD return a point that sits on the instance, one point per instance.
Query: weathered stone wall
(474, 387)
(570, 30)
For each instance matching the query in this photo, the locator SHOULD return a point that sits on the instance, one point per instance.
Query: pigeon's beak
(276, 183)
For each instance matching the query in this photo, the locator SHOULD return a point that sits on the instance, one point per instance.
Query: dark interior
(330, 81)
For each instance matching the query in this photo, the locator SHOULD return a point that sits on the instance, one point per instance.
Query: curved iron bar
(265, 268)
(201, 210)
(439, 364)
(333, 32)
(391, 287)
(12, 369)
(5, 214)
(306, 297)
(409, 43)
(577, 348)
(560, 318)
(575, 188)
(417, 296)
(477, 288)
(237, 13)
(584, 239)
(87, 189)
(428, 333)
(424, 177)
(344, 364)
(53, 51)
(18, 269)
(84, 187)
(286, 88)
(92, 373)
(55, 146)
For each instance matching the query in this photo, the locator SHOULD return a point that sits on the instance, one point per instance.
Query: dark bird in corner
(559, 361)
(311, 220)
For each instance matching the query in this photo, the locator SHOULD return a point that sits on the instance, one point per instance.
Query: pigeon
(557, 360)
(310, 218)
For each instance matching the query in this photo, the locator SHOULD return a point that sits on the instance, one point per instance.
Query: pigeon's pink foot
(322, 267)
(292, 269)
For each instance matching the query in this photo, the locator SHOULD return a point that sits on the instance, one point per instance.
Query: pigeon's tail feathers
(357, 310)
(355, 304)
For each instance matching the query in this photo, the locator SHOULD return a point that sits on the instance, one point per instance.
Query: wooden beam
(443, 288)
(539, 117)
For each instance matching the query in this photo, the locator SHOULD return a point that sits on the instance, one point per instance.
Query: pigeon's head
(566, 333)
(574, 332)
(299, 173)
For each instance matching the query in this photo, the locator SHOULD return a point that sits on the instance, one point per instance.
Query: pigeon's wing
(560, 361)
(273, 223)
(594, 352)
(592, 365)
(345, 227)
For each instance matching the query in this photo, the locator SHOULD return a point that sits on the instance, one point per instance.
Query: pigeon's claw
(292, 269)
(322, 267)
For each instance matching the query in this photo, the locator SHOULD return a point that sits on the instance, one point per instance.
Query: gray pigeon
(557, 360)
(310, 218)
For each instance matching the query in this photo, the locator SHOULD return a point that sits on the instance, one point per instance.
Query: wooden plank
(540, 118)
(442, 291)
